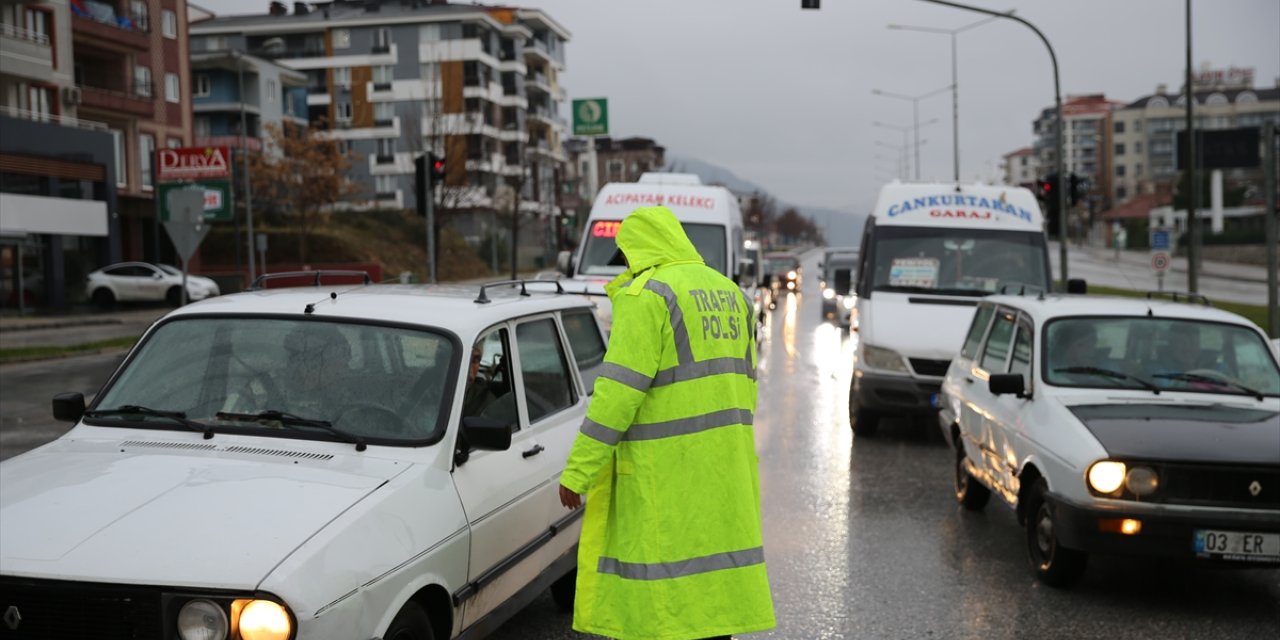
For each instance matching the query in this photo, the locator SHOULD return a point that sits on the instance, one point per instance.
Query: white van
(929, 253)
(710, 216)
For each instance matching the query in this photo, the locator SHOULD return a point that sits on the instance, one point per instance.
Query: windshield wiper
(1108, 373)
(293, 422)
(1195, 377)
(139, 410)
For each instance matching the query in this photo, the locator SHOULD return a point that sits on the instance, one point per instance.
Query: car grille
(927, 367)
(52, 610)
(1219, 486)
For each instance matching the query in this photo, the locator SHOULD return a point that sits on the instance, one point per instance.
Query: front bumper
(1164, 533)
(879, 392)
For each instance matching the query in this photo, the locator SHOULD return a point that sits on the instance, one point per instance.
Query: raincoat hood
(652, 236)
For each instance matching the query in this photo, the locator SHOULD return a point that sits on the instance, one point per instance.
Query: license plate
(1237, 545)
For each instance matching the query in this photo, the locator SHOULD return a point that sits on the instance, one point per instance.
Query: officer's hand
(569, 499)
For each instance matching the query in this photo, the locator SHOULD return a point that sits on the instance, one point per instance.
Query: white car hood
(917, 329)
(117, 513)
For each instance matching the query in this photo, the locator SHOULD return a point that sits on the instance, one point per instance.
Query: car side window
(997, 350)
(1021, 361)
(548, 386)
(490, 392)
(977, 330)
(586, 344)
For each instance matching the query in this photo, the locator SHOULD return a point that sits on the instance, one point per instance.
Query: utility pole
(1193, 191)
(1269, 139)
(915, 114)
(244, 158)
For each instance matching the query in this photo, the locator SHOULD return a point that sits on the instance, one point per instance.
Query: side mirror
(562, 262)
(1006, 383)
(1077, 285)
(486, 433)
(156, 276)
(68, 407)
(767, 280)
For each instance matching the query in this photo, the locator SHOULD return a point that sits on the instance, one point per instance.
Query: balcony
(133, 99)
(534, 48)
(25, 53)
(23, 114)
(538, 81)
(102, 27)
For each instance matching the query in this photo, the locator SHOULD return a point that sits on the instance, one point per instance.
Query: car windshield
(782, 265)
(383, 384)
(956, 261)
(601, 257)
(1173, 354)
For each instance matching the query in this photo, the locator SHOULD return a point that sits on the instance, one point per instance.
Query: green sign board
(591, 117)
(217, 199)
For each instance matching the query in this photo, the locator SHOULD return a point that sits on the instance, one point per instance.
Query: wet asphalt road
(864, 540)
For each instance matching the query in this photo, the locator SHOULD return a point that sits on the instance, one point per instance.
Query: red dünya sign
(193, 163)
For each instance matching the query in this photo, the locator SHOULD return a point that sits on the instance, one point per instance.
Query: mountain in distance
(841, 228)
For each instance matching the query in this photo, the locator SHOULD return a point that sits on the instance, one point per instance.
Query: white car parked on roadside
(145, 282)
(351, 462)
(1119, 426)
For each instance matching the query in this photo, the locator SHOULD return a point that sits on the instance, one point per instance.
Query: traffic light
(1047, 192)
(1079, 187)
(428, 171)
(809, 4)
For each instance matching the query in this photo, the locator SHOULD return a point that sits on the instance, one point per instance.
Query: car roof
(1056, 305)
(449, 307)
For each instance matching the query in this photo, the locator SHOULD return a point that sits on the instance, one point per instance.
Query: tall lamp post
(1057, 101)
(955, 82)
(906, 145)
(244, 159)
(915, 113)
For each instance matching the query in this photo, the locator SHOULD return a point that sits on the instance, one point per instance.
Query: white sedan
(145, 282)
(377, 461)
(1119, 426)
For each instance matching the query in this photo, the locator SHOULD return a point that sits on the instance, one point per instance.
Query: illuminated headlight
(1141, 481)
(880, 358)
(1106, 476)
(262, 620)
(828, 293)
(849, 302)
(202, 620)
(791, 274)
(791, 285)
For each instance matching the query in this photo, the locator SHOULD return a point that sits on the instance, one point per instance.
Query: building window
(172, 92)
(200, 127)
(39, 102)
(141, 15)
(342, 77)
(142, 81)
(169, 23)
(386, 149)
(343, 111)
(1121, 193)
(202, 85)
(1119, 126)
(383, 112)
(382, 39)
(1137, 126)
(1119, 171)
(1119, 148)
(272, 89)
(341, 39)
(383, 74)
(616, 168)
(173, 143)
(1137, 147)
(385, 186)
(1137, 170)
(122, 173)
(146, 151)
(36, 22)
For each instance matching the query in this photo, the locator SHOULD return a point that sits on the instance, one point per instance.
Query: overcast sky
(783, 97)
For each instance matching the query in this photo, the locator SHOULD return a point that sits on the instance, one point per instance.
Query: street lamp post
(906, 145)
(1057, 100)
(915, 113)
(955, 83)
(244, 159)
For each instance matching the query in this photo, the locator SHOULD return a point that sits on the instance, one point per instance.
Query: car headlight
(828, 293)
(202, 619)
(880, 358)
(791, 274)
(262, 620)
(1142, 481)
(849, 301)
(1106, 476)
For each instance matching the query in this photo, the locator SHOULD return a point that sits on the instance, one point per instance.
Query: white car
(145, 282)
(1119, 426)
(352, 462)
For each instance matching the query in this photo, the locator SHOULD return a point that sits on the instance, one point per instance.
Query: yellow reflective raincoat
(671, 545)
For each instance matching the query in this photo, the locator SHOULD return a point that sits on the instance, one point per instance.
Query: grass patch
(1254, 312)
(20, 354)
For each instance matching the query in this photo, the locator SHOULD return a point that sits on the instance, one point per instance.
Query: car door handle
(529, 453)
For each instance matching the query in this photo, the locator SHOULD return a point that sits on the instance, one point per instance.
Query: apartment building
(478, 84)
(1144, 148)
(1021, 167)
(229, 87)
(57, 170)
(1086, 137)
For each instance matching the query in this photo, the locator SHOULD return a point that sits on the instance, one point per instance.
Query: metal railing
(66, 121)
(18, 33)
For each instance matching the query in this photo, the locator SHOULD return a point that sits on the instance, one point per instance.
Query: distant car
(145, 282)
(288, 464)
(784, 272)
(839, 268)
(1119, 426)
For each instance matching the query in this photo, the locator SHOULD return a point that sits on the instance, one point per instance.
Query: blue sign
(1159, 239)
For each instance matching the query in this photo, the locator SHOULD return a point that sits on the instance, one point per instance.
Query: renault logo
(12, 618)
(1255, 488)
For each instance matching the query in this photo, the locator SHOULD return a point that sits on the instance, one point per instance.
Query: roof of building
(1262, 95)
(367, 11)
(1138, 207)
(230, 61)
(1025, 151)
